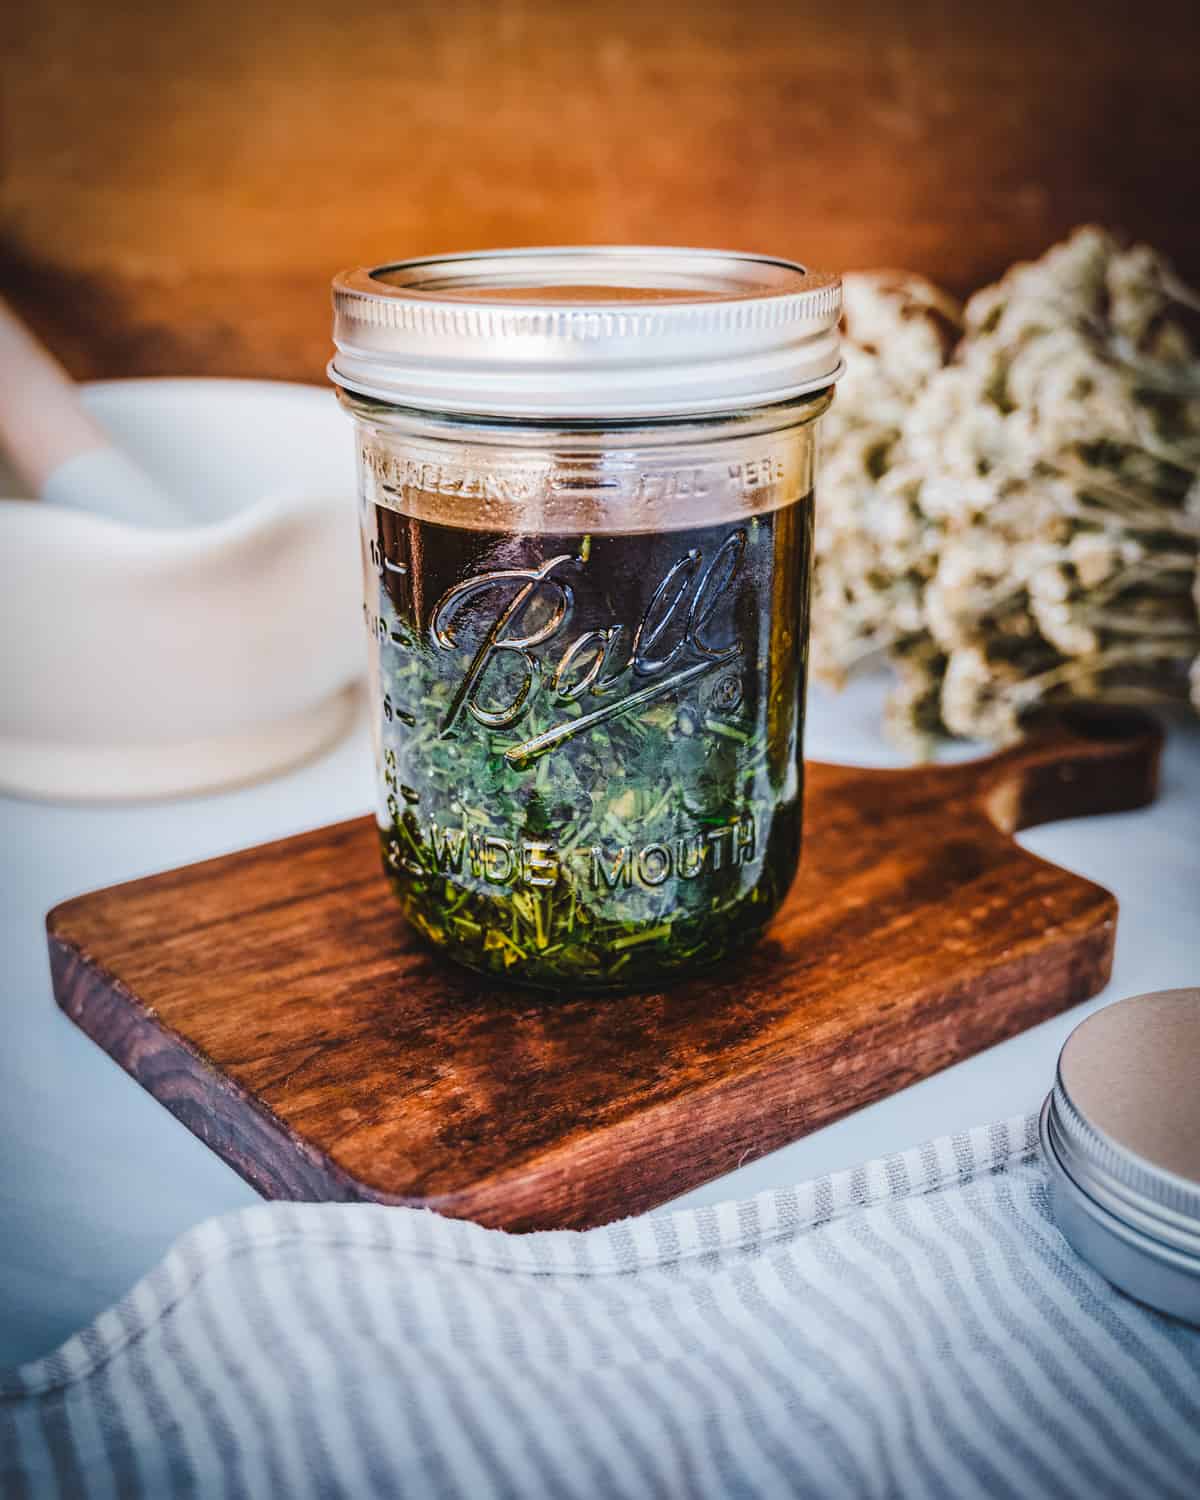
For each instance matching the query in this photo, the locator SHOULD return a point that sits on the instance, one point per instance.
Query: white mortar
(144, 663)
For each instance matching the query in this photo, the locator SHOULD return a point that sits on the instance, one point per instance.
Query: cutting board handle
(1086, 759)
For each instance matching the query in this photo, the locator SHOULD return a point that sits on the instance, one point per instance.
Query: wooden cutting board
(275, 1001)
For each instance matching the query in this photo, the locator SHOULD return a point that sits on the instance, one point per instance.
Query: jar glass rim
(589, 432)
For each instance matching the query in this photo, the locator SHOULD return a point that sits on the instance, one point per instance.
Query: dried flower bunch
(1010, 502)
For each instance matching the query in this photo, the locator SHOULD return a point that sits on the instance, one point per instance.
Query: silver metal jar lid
(1121, 1137)
(586, 332)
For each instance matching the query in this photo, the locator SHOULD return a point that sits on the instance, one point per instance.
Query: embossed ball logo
(530, 608)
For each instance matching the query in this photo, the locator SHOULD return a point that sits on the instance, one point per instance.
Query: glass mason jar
(586, 498)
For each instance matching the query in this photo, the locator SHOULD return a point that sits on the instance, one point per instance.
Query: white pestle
(61, 452)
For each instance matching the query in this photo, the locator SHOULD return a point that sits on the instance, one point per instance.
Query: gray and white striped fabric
(914, 1327)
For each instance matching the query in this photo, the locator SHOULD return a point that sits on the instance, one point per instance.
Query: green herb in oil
(591, 744)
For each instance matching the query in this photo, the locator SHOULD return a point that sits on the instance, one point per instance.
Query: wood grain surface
(180, 181)
(275, 1001)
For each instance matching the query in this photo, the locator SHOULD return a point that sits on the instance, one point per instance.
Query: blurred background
(180, 180)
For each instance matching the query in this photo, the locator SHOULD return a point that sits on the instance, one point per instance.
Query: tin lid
(1123, 1121)
(610, 331)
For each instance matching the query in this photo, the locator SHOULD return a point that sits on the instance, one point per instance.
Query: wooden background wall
(181, 177)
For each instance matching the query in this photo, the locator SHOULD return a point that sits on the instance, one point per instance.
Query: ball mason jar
(586, 484)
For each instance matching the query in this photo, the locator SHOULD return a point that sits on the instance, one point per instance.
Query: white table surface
(96, 1179)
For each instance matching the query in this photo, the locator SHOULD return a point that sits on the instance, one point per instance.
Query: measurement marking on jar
(384, 564)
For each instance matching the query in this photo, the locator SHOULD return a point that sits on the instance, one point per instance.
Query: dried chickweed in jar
(589, 633)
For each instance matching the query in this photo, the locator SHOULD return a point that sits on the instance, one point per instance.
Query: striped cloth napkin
(914, 1327)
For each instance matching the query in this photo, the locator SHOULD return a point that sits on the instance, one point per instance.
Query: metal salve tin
(1121, 1138)
(586, 498)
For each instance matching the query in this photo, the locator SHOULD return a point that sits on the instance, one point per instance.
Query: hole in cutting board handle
(1096, 721)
